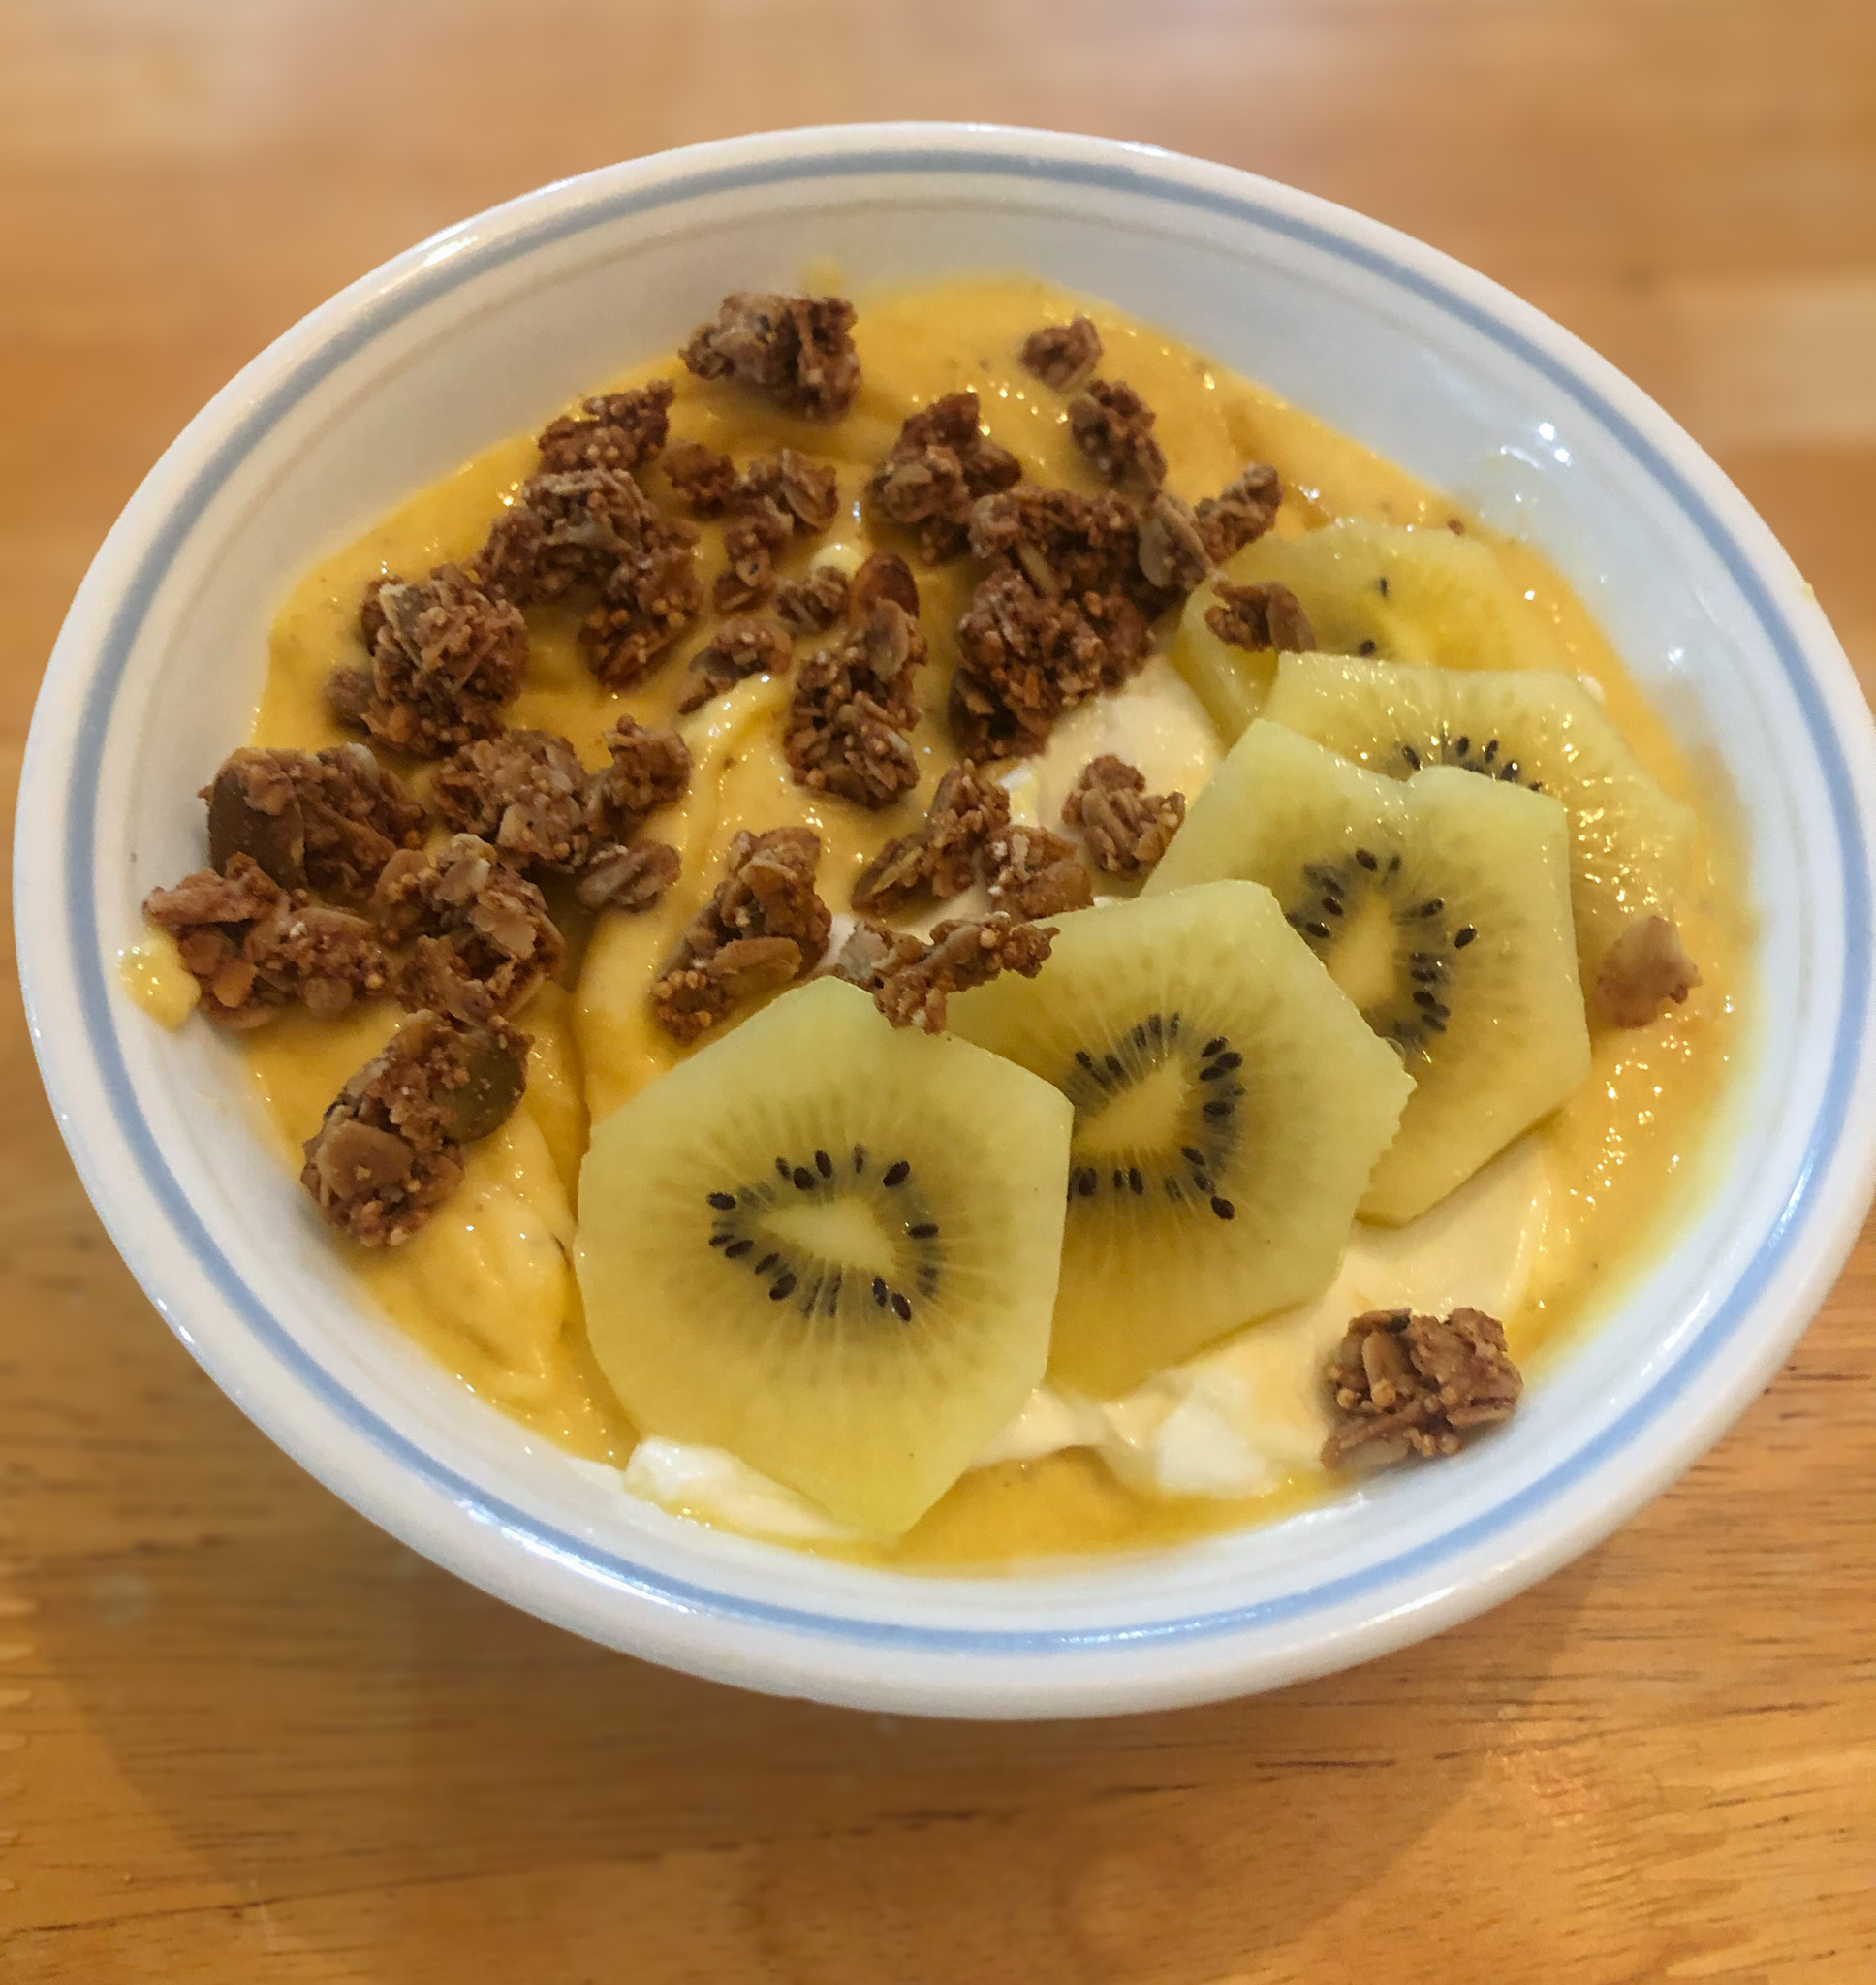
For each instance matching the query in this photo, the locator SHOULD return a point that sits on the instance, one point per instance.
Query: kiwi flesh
(832, 1248)
(1629, 841)
(1228, 1103)
(1403, 595)
(1440, 906)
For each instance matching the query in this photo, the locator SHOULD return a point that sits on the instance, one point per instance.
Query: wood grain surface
(244, 1737)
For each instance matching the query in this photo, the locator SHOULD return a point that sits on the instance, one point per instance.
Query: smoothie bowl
(985, 923)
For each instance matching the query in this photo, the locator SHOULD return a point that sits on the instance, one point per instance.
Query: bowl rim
(1535, 1530)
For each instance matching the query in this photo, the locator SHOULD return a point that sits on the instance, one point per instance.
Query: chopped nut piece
(650, 769)
(1261, 616)
(255, 948)
(632, 878)
(326, 820)
(938, 467)
(1023, 660)
(652, 594)
(526, 791)
(1035, 873)
(798, 349)
(884, 575)
(967, 812)
(1172, 555)
(738, 649)
(814, 602)
(1063, 355)
(564, 531)
(390, 1149)
(1246, 510)
(704, 477)
(1406, 1384)
(1062, 542)
(613, 431)
(761, 927)
(1645, 968)
(445, 657)
(911, 980)
(1113, 427)
(485, 940)
(1126, 828)
(853, 706)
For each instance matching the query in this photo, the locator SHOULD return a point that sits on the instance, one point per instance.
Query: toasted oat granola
(1642, 970)
(1032, 873)
(525, 791)
(814, 602)
(1063, 355)
(612, 430)
(911, 977)
(741, 647)
(941, 855)
(326, 820)
(1266, 616)
(937, 468)
(446, 655)
(390, 1149)
(1240, 513)
(854, 707)
(1413, 1384)
(255, 948)
(1113, 427)
(649, 769)
(485, 941)
(796, 350)
(1126, 828)
(761, 927)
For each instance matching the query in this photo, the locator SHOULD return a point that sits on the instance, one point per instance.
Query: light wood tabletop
(245, 1737)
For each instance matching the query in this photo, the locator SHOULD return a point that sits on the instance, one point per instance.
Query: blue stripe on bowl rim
(412, 293)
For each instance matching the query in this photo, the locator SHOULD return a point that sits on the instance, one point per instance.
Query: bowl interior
(488, 329)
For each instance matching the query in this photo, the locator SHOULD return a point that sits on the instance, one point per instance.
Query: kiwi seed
(1452, 750)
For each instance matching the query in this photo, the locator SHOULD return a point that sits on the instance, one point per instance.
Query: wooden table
(244, 1737)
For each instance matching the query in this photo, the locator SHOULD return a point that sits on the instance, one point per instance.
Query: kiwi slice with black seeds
(831, 1248)
(1440, 905)
(1229, 1106)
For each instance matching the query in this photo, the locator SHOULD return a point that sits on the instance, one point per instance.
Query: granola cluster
(255, 948)
(853, 709)
(739, 648)
(648, 771)
(940, 857)
(324, 820)
(1113, 427)
(1268, 616)
(1025, 659)
(483, 940)
(1642, 970)
(814, 602)
(446, 654)
(1031, 872)
(761, 927)
(1063, 355)
(911, 978)
(937, 468)
(1406, 1384)
(1126, 828)
(525, 792)
(796, 350)
(613, 431)
(774, 500)
(390, 1149)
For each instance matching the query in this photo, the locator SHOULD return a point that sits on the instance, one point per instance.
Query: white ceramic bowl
(486, 328)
